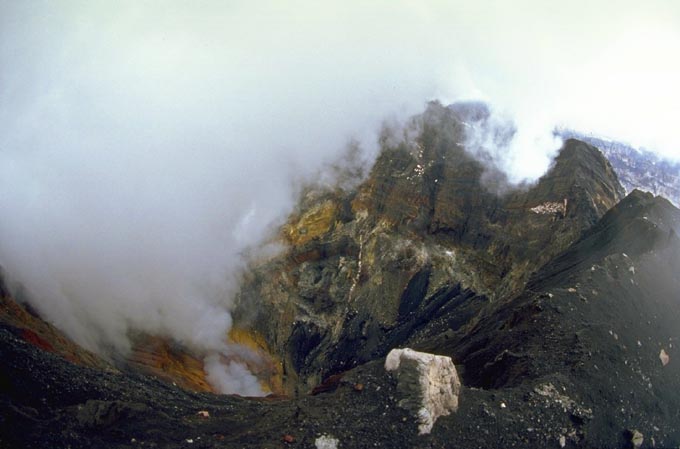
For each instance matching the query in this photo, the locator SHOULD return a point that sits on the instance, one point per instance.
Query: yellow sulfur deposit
(313, 223)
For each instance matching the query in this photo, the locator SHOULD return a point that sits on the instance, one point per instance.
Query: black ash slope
(593, 324)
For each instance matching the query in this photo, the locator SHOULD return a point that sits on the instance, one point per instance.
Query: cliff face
(366, 268)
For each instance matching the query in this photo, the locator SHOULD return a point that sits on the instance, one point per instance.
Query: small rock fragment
(358, 387)
(326, 442)
(288, 438)
(563, 441)
(503, 405)
(664, 357)
(203, 414)
(189, 440)
(636, 438)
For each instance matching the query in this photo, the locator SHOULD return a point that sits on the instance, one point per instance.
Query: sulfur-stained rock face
(261, 361)
(169, 361)
(428, 385)
(315, 222)
(175, 363)
(421, 236)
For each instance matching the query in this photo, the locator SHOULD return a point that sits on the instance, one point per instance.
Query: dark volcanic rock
(107, 413)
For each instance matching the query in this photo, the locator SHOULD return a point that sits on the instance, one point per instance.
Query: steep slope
(597, 322)
(366, 268)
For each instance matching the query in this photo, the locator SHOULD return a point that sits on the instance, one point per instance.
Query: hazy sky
(145, 144)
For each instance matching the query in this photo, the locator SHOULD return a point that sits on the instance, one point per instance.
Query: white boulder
(428, 383)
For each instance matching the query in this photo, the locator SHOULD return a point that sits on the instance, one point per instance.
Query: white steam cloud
(145, 144)
(231, 377)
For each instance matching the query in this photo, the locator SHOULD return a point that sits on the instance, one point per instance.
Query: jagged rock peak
(582, 176)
